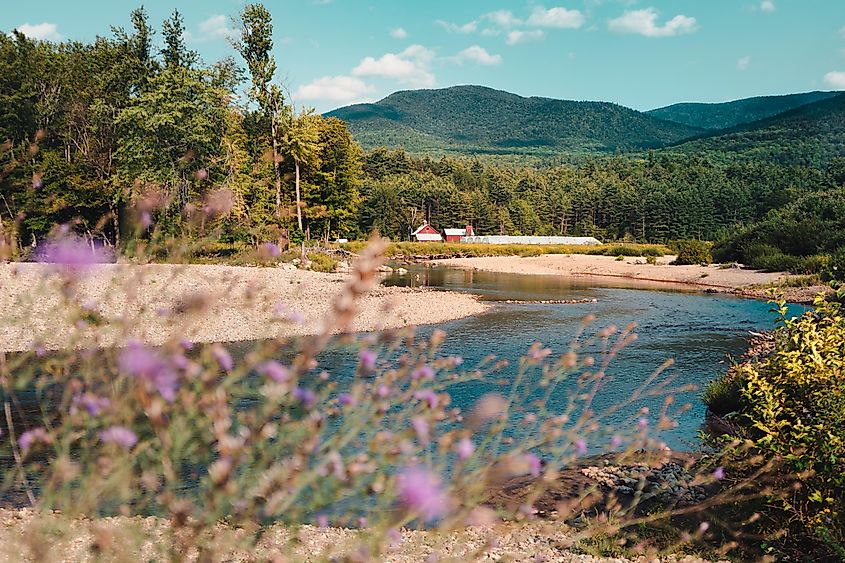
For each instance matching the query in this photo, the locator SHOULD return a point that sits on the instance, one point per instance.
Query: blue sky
(639, 53)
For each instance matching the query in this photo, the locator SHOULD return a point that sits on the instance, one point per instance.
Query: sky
(639, 53)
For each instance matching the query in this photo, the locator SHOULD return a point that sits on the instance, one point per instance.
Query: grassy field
(418, 250)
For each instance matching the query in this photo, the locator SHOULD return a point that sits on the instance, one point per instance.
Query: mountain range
(480, 120)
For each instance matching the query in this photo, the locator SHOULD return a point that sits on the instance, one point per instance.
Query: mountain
(730, 114)
(475, 119)
(812, 134)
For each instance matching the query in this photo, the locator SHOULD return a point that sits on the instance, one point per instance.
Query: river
(700, 332)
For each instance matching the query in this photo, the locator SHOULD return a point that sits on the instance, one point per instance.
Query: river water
(700, 332)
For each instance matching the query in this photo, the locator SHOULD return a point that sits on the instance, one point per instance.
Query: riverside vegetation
(232, 455)
(126, 149)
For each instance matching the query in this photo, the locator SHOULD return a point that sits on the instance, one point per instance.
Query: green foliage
(691, 252)
(730, 114)
(791, 404)
(321, 262)
(810, 134)
(409, 250)
(478, 120)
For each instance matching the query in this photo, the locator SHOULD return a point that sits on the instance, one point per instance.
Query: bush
(834, 269)
(692, 252)
(321, 262)
(791, 405)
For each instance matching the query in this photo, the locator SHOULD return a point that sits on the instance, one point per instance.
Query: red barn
(455, 235)
(427, 233)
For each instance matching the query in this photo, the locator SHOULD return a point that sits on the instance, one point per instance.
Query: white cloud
(743, 63)
(558, 17)
(344, 89)
(468, 27)
(767, 6)
(477, 54)
(399, 33)
(408, 67)
(212, 28)
(41, 31)
(836, 79)
(644, 22)
(519, 36)
(503, 18)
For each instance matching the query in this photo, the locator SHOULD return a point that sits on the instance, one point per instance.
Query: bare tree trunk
(277, 170)
(298, 207)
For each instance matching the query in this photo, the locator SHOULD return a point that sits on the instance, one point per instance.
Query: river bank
(202, 303)
(713, 278)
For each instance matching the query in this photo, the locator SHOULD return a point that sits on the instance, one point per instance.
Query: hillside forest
(134, 133)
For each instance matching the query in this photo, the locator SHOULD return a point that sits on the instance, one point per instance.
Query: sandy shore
(203, 303)
(142, 539)
(636, 272)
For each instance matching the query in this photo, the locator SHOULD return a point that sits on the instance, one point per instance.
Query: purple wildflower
(382, 391)
(456, 361)
(395, 537)
(643, 423)
(345, 400)
(275, 371)
(271, 250)
(144, 363)
(33, 436)
(719, 473)
(534, 464)
(146, 220)
(322, 521)
(305, 396)
(72, 252)
(420, 491)
(422, 372)
(92, 404)
(186, 344)
(421, 429)
(465, 448)
(366, 361)
(580, 447)
(119, 435)
(222, 357)
(615, 442)
(429, 396)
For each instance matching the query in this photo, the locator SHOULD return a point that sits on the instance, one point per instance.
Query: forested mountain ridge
(716, 116)
(475, 119)
(811, 135)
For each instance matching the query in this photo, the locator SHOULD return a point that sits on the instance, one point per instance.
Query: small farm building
(455, 235)
(427, 233)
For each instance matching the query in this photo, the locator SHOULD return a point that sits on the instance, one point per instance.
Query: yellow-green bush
(692, 252)
(791, 405)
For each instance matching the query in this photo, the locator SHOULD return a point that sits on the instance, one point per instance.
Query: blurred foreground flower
(145, 364)
(119, 435)
(421, 492)
(72, 252)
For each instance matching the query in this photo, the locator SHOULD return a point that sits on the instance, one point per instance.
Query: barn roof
(453, 232)
(422, 227)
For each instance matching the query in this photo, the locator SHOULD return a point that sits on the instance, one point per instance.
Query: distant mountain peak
(478, 119)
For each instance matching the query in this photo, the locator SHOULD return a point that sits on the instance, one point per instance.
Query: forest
(134, 133)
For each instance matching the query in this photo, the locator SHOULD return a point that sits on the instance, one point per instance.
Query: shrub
(649, 259)
(692, 252)
(791, 405)
(321, 262)
(834, 268)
